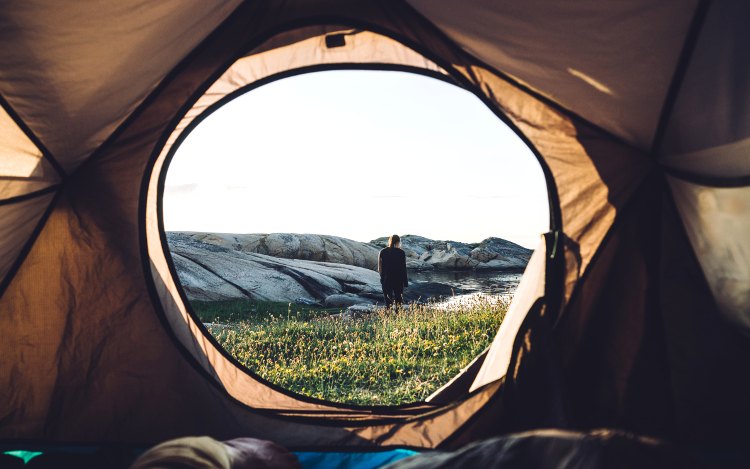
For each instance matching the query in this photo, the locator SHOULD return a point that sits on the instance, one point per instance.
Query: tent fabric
(709, 396)
(600, 173)
(20, 157)
(530, 289)
(614, 71)
(718, 234)
(90, 67)
(23, 169)
(100, 345)
(20, 219)
(728, 162)
(711, 109)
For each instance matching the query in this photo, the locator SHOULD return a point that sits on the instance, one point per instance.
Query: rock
(424, 253)
(361, 309)
(311, 247)
(344, 300)
(306, 301)
(282, 245)
(507, 255)
(482, 255)
(299, 268)
(502, 264)
(451, 259)
(346, 316)
(414, 246)
(212, 272)
(418, 264)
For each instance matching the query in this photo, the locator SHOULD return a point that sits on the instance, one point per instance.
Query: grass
(387, 357)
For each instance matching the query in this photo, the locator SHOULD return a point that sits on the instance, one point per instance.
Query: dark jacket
(392, 267)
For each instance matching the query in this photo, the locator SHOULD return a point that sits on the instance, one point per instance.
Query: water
(470, 281)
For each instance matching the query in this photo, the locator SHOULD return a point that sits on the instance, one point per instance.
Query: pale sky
(357, 154)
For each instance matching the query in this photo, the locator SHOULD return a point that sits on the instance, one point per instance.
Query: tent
(634, 312)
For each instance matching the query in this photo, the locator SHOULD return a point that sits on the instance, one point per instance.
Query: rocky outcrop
(491, 254)
(321, 270)
(209, 271)
(422, 253)
(309, 247)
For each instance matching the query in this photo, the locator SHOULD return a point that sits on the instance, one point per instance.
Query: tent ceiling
(709, 132)
(75, 73)
(609, 62)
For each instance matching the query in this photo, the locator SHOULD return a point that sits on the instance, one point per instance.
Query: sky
(357, 154)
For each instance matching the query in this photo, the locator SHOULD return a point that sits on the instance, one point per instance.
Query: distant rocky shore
(320, 269)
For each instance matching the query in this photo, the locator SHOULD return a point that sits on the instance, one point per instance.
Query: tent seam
(168, 78)
(678, 76)
(30, 195)
(36, 141)
(26, 249)
(708, 181)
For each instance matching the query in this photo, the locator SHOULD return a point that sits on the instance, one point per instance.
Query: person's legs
(398, 296)
(387, 296)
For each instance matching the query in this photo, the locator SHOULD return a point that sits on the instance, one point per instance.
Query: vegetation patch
(387, 357)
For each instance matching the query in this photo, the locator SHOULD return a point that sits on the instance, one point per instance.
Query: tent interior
(633, 314)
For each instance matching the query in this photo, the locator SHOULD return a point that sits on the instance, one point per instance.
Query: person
(392, 269)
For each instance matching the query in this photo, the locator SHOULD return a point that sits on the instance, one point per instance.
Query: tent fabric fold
(652, 317)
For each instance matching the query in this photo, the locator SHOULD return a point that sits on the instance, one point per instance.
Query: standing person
(392, 268)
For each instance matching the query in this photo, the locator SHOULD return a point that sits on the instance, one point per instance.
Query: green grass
(387, 357)
(229, 311)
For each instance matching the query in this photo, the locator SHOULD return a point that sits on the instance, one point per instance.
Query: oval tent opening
(277, 205)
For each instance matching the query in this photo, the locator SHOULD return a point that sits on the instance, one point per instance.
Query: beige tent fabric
(19, 220)
(75, 71)
(713, 106)
(594, 175)
(22, 168)
(725, 161)
(529, 290)
(609, 62)
(19, 187)
(19, 157)
(718, 227)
